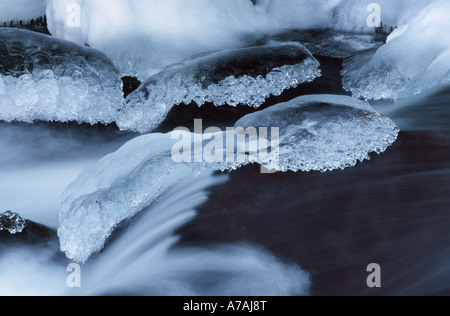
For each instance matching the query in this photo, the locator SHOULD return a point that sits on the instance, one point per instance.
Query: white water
(38, 162)
(143, 259)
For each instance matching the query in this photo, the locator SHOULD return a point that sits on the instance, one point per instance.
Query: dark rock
(130, 84)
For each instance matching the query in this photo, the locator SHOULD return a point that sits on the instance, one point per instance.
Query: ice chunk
(43, 78)
(245, 76)
(324, 132)
(12, 222)
(415, 58)
(116, 188)
(21, 10)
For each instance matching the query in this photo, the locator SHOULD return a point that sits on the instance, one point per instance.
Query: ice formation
(316, 133)
(143, 37)
(416, 58)
(324, 132)
(116, 188)
(21, 10)
(169, 31)
(245, 76)
(12, 222)
(43, 78)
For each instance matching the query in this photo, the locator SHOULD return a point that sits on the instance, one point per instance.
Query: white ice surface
(116, 188)
(416, 58)
(142, 37)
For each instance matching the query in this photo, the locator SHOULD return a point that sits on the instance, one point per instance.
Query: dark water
(392, 210)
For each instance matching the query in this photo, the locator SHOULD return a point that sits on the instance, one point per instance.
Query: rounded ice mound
(416, 58)
(324, 132)
(118, 187)
(245, 76)
(43, 78)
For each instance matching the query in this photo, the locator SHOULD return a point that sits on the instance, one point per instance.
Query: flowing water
(242, 232)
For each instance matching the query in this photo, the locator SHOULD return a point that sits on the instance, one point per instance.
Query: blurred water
(392, 210)
(38, 161)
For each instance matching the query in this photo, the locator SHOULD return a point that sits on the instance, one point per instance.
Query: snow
(325, 132)
(244, 76)
(25, 10)
(415, 58)
(43, 78)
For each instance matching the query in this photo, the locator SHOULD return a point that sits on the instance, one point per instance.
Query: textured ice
(21, 10)
(324, 132)
(43, 78)
(416, 58)
(12, 222)
(116, 188)
(245, 76)
(316, 133)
